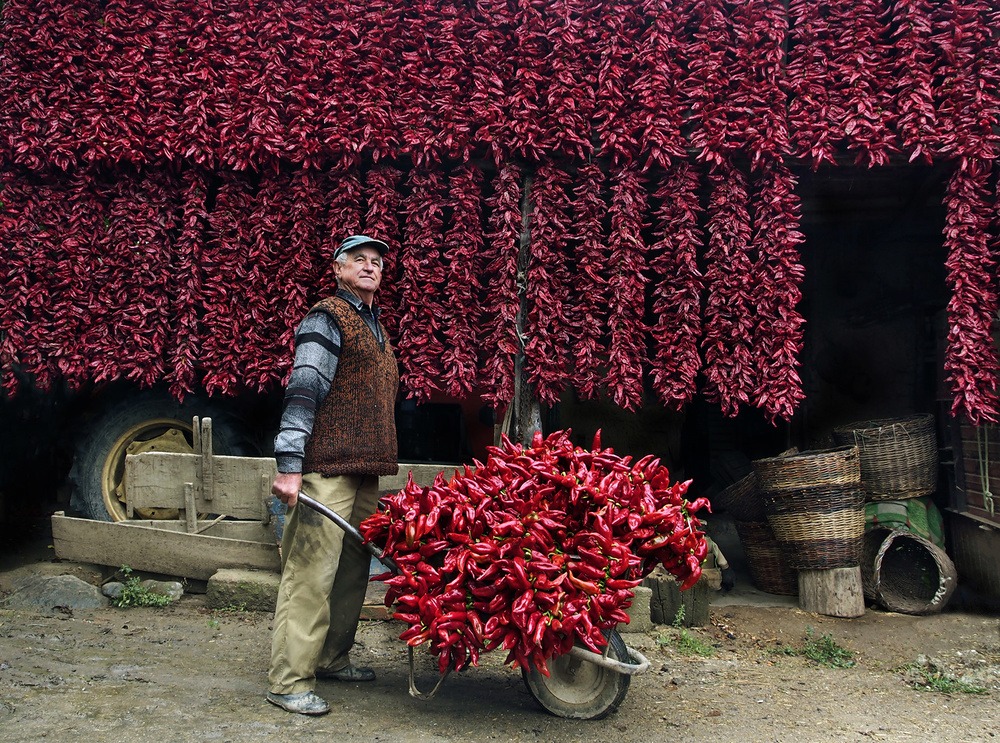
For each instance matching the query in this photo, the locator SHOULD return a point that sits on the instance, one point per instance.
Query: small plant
(233, 608)
(679, 617)
(826, 651)
(930, 678)
(135, 594)
(213, 623)
(686, 643)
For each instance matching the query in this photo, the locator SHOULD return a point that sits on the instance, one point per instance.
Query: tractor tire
(153, 421)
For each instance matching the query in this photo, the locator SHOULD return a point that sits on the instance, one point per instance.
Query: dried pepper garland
(777, 339)
(463, 244)
(971, 362)
(184, 345)
(677, 287)
(50, 225)
(569, 71)
(966, 122)
(435, 121)
(549, 328)
(730, 377)
(616, 127)
(382, 222)
(757, 76)
(534, 551)
(422, 283)
(839, 76)
(130, 277)
(343, 208)
(503, 241)
(657, 87)
(626, 288)
(590, 282)
(915, 62)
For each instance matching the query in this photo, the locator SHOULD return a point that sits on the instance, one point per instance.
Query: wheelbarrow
(581, 684)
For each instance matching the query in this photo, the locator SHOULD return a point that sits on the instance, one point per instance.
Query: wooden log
(835, 593)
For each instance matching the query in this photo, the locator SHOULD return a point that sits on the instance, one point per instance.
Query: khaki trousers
(323, 583)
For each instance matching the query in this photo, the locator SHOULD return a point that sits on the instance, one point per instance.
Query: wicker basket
(837, 467)
(768, 569)
(899, 456)
(913, 576)
(818, 528)
(743, 500)
(869, 550)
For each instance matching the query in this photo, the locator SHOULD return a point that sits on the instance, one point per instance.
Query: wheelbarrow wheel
(578, 689)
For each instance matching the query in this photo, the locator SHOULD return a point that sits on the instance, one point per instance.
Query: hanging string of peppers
(677, 287)
(616, 125)
(502, 247)
(382, 222)
(971, 363)
(130, 277)
(657, 86)
(549, 326)
(420, 349)
(727, 343)
(463, 244)
(777, 336)
(533, 551)
(590, 282)
(184, 343)
(627, 289)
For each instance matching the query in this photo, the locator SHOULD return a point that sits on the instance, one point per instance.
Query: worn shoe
(303, 703)
(348, 673)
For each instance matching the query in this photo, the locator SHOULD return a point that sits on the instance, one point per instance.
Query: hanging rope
(983, 449)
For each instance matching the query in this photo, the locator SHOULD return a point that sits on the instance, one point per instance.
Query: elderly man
(337, 436)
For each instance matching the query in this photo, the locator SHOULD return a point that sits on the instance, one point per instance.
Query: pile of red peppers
(534, 551)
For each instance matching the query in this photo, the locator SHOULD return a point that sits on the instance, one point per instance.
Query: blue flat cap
(360, 241)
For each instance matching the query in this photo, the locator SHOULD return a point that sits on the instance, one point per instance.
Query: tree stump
(836, 592)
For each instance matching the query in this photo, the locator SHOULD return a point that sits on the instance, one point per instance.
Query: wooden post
(207, 466)
(524, 414)
(836, 592)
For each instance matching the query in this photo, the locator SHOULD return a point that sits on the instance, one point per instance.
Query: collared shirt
(317, 350)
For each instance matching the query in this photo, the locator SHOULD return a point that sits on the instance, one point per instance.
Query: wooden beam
(162, 550)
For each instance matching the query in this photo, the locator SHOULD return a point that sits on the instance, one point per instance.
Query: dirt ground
(186, 673)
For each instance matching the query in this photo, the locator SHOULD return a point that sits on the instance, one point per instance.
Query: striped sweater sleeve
(317, 349)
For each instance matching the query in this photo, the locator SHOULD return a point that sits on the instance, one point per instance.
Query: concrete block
(639, 613)
(249, 590)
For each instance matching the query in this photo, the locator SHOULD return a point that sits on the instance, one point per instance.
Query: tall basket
(838, 467)
(898, 456)
(768, 568)
(818, 528)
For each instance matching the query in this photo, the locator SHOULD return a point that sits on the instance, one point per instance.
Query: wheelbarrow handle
(345, 525)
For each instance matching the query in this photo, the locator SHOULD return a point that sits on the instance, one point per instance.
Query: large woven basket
(870, 544)
(912, 575)
(898, 456)
(742, 500)
(818, 528)
(768, 568)
(838, 467)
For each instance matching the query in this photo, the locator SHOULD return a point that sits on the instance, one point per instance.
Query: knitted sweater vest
(355, 428)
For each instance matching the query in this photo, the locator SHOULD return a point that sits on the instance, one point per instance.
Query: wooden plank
(248, 531)
(157, 550)
(157, 480)
(423, 475)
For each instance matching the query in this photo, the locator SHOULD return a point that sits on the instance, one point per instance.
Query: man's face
(362, 273)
